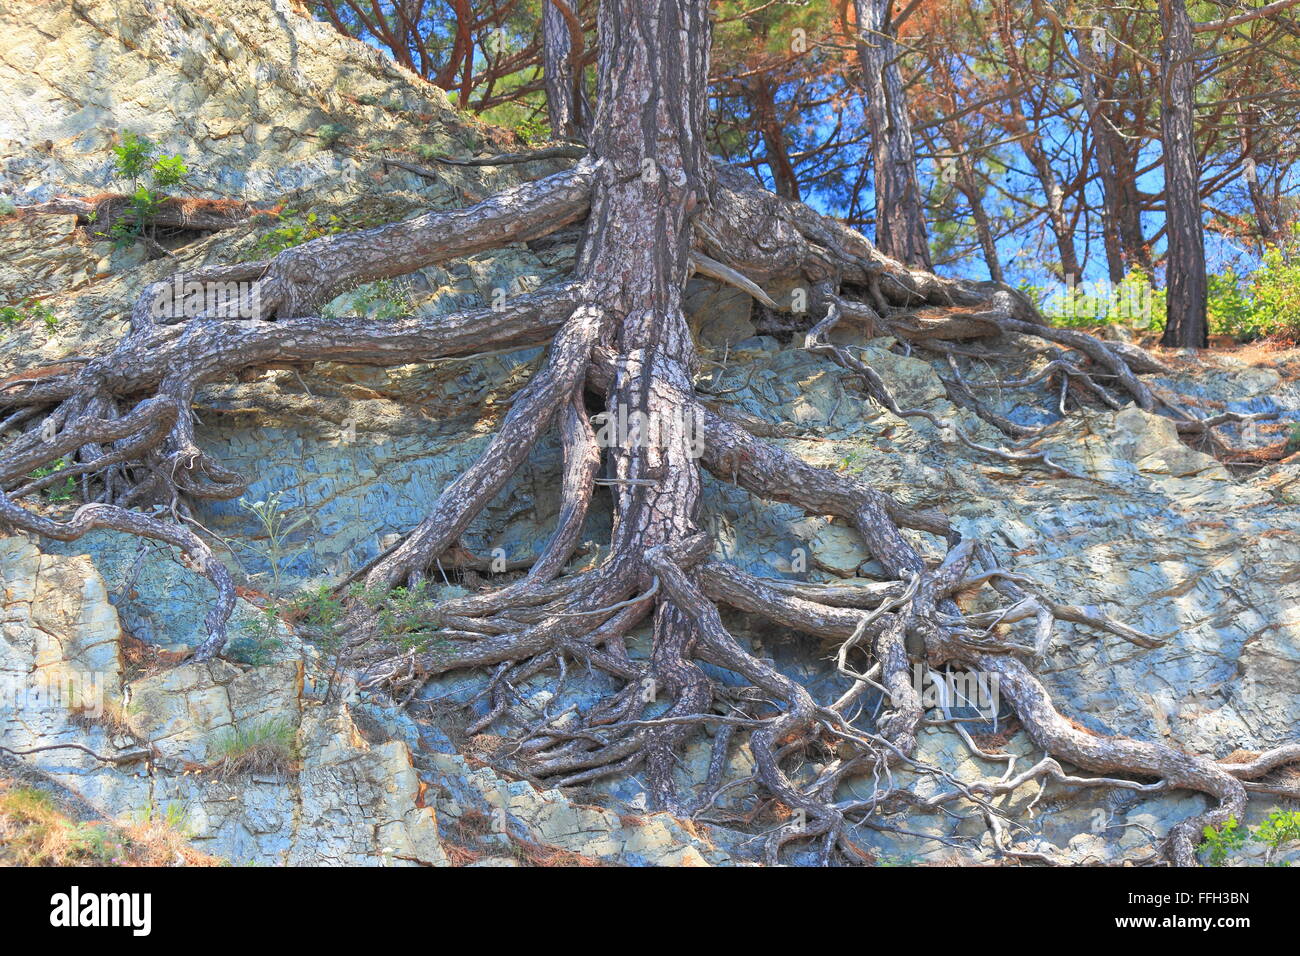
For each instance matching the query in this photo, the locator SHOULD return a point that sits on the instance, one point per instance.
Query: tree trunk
(1185, 276)
(900, 213)
(1031, 145)
(566, 106)
(1266, 213)
(1103, 138)
(974, 191)
(769, 127)
(967, 180)
(649, 132)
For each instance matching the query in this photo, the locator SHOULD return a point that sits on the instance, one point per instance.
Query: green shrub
(1246, 307)
(169, 171)
(1281, 827)
(406, 616)
(317, 607)
(330, 134)
(1264, 302)
(386, 299)
(293, 229)
(1275, 287)
(257, 645)
(1133, 302)
(133, 158)
(60, 491)
(1219, 841)
(28, 310)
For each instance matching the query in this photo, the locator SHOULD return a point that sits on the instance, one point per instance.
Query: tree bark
(769, 127)
(967, 180)
(1103, 138)
(1185, 276)
(566, 106)
(900, 212)
(650, 132)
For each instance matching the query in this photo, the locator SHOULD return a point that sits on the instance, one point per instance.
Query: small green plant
(318, 607)
(28, 310)
(143, 207)
(260, 639)
(330, 134)
(533, 129)
(293, 228)
(1221, 840)
(266, 747)
(276, 526)
(406, 616)
(1293, 440)
(1281, 827)
(7, 207)
(59, 491)
(135, 157)
(386, 299)
(173, 816)
(169, 171)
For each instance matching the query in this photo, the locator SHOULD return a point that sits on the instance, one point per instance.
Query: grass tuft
(266, 748)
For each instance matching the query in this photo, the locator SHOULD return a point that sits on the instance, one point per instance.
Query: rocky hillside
(246, 755)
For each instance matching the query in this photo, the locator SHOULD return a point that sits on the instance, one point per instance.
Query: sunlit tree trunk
(566, 106)
(1185, 276)
(900, 212)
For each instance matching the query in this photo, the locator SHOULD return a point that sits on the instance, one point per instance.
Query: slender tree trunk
(967, 180)
(1185, 276)
(1126, 153)
(900, 213)
(1266, 218)
(769, 127)
(1133, 241)
(970, 185)
(1103, 143)
(1031, 144)
(565, 104)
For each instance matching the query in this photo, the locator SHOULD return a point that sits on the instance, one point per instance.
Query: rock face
(1154, 532)
(357, 785)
